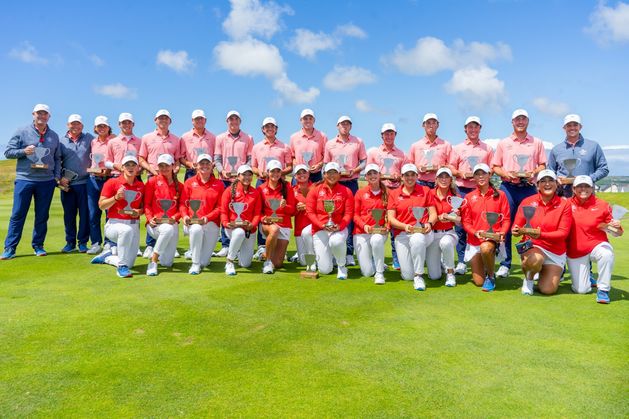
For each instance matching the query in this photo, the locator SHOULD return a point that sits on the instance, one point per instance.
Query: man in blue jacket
(38, 167)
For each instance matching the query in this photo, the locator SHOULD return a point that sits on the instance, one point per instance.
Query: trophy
(238, 208)
(232, 160)
(522, 160)
(329, 205)
(70, 176)
(166, 204)
(131, 152)
(97, 158)
(130, 196)
(341, 161)
(418, 213)
(38, 154)
(492, 218)
(274, 204)
(306, 156)
(618, 213)
(194, 205)
(455, 202)
(529, 212)
(570, 165)
(472, 161)
(308, 274)
(377, 214)
(428, 155)
(387, 163)
(198, 151)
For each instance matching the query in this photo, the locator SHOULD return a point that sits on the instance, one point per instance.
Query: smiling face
(275, 175)
(409, 179)
(126, 127)
(102, 130)
(165, 169)
(205, 167)
(245, 178)
(547, 186)
(130, 169)
(162, 122)
(481, 177)
(583, 191)
(41, 117)
(198, 123)
(472, 130)
(307, 122)
(269, 130)
(331, 177)
(233, 124)
(444, 180)
(302, 176)
(75, 128)
(388, 138)
(373, 178)
(573, 129)
(520, 124)
(430, 127)
(344, 128)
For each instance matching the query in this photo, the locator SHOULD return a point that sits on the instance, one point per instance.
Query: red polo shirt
(301, 218)
(443, 207)
(267, 192)
(111, 187)
(585, 234)
(252, 211)
(402, 203)
(158, 188)
(210, 194)
(344, 209)
(364, 201)
(473, 214)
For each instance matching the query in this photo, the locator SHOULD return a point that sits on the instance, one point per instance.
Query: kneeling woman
(303, 229)
(276, 223)
(588, 242)
(369, 243)
(484, 241)
(122, 196)
(330, 207)
(543, 246)
(205, 191)
(412, 235)
(163, 191)
(241, 207)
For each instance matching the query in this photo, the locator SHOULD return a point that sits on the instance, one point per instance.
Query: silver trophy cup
(70, 176)
(329, 205)
(521, 160)
(472, 161)
(165, 205)
(377, 214)
(306, 156)
(387, 164)
(97, 159)
(418, 213)
(130, 196)
(195, 205)
(570, 165)
(618, 213)
(529, 212)
(37, 156)
(341, 160)
(274, 204)
(428, 156)
(232, 160)
(492, 218)
(455, 202)
(238, 208)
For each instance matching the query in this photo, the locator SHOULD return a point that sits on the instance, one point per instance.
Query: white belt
(120, 221)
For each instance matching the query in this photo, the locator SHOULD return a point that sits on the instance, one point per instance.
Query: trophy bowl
(274, 204)
(70, 176)
(195, 205)
(97, 159)
(310, 261)
(306, 156)
(428, 156)
(232, 160)
(570, 165)
(165, 205)
(238, 208)
(529, 212)
(492, 218)
(618, 212)
(522, 160)
(378, 228)
(341, 160)
(472, 161)
(455, 202)
(38, 154)
(418, 214)
(387, 164)
(130, 196)
(329, 205)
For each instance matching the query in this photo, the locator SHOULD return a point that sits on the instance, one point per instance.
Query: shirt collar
(579, 142)
(528, 138)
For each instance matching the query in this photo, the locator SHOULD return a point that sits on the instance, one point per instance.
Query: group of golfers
(433, 204)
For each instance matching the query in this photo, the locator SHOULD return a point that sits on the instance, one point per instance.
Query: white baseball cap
(101, 120)
(269, 120)
(300, 167)
(273, 164)
(443, 170)
(41, 107)
(519, 112)
(331, 166)
(129, 157)
(430, 116)
(387, 127)
(344, 118)
(409, 167)
(546, 173)
(198, 113)
(573, 117)
(165, 158)
(75, 117)
(162, 112)
(481, 166)
(232, 113)
(244, 168)
(204, 156)
(372, 166)
(581, 179)
(472, 119)
(125, 116)
(307, 112)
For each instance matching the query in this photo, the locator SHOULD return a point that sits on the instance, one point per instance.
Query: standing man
(195, 142)
(468, 154)
(349, 153)
(590, 159)
(233, 149)
(38, 167)
(518, 160)
(309, 140)
(430, 152)
(125, 144)
(76, 149)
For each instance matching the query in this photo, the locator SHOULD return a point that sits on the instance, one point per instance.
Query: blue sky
(375, 63)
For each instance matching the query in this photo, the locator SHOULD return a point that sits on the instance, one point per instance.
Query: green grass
(77, 341)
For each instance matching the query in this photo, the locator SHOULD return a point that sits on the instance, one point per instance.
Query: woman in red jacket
(203, 230)
(330, 229)
(163, 189)
(276, 224)
(303, 229)
(543, 251)
(588, 242)
(482, 247)
(241, 207)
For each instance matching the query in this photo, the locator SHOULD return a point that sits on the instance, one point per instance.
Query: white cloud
(549, 107)
(346, 78)
(363, 106)
(249, 57)
(307, 43)
(96, 60)
(252, 18)
(117, 91)
(351, 31)
(175, 60)
(27, 53)
(609, 24)
(478, 86)
(292, 93)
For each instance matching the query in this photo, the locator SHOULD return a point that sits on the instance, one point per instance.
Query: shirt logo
(195, 184)
(367, 196)
(534, 204)
(583, 152)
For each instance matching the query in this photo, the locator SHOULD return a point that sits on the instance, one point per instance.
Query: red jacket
(402, 204)
(554, 219)
(364, 201)
(473, 214)
(301, 218)
(252, 211)
(209, 193)
(158, 188)
(344, 209)
(443, 207)
(111, 187)
(585, 234)
(266, 193)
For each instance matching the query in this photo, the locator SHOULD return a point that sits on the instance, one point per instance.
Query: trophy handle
(500, 217)
(47, 152)
(245, 207)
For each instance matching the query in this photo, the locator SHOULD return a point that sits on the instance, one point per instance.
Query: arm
(358, 219)
(15, 148)
(563, 229)
(349, 209)
(311, 209)
(600, 164)
(149, 195)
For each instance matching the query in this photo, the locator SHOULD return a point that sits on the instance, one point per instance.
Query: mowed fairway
(75, 340)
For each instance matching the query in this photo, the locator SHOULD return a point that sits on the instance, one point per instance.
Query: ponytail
(233, 189)
(385, 195)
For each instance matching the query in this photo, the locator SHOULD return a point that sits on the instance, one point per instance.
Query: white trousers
(411, 253)
(127, 239)
(167, 236)
(369, 249)
(304, 244)
(240, 246)
(203, 238)
(603, 255)
(328, 245)
(441, 249)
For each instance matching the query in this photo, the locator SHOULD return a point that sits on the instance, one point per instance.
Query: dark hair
(108, 134)
(233, 189)
(385, 195)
